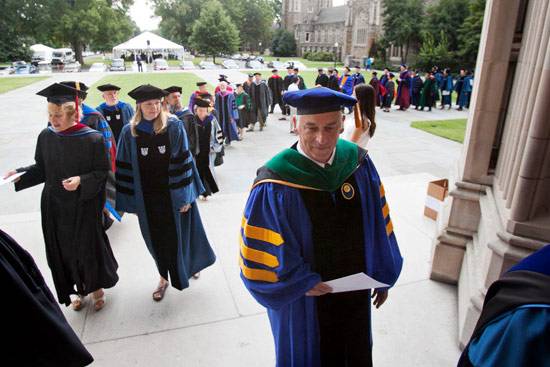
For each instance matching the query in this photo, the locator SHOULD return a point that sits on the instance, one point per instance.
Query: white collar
(322, 165)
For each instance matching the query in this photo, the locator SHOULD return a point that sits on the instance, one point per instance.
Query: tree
(254, 20)
(470, 33)
(402, 20)
(177, 18)
(284, 43)
(447, 16)
(431, 54)
(213, 32)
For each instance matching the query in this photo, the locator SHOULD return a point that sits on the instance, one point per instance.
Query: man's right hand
(319, 290)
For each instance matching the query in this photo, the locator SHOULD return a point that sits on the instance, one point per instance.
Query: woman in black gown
(71, 160)
(209, 141)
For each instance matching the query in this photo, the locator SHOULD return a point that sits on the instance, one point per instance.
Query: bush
(319, 56)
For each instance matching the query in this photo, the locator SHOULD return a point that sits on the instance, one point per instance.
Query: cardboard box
(437, 192)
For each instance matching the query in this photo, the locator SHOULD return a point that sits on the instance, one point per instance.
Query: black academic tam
(36, 332)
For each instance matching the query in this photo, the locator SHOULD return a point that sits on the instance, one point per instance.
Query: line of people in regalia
(410, 88)
(98, 163)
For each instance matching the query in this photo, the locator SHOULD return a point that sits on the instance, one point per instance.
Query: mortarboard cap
(76, 85)
(274, 70)
(58, 93)
(251, 75)
(318, 100)
(203, 102)
(238, 85)
(174, 89)
(106, 87)
(200, 84)
(321, 69)
(146, 92)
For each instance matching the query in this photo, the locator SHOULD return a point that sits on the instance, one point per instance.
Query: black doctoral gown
(39, 334)
(78, 250)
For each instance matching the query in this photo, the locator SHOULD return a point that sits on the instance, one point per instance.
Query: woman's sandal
(78, 303)
(158, 294)
(99, 302)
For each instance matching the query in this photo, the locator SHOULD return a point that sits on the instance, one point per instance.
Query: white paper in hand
(11, 178)
(355, 282)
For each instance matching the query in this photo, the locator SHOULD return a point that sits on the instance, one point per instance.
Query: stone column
(487, 98)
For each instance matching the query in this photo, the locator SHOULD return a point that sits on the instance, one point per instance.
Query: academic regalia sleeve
(272, 266)
(183, 177)
(383, 258)
(216, 138)
(125, 189)
(127, 113)
(518, 338)
(92, 183)
(34, 173)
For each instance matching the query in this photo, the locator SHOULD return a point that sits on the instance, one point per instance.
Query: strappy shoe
(158, 294)
(99, 302)
(78, 303)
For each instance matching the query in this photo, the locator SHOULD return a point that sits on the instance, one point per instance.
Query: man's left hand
(380, 296)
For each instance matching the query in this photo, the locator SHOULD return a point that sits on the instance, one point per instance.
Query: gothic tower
(295, 12)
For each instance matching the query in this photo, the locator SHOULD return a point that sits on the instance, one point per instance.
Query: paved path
(215, 322)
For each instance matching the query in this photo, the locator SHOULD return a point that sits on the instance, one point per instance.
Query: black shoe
(282, 118)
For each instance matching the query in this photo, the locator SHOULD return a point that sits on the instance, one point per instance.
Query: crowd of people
(408, 88)
(317, 211)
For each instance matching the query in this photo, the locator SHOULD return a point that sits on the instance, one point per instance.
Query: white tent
(41, 51)
(148, 43)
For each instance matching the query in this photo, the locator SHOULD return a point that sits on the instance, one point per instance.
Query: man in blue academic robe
(317, 212)
(514, 326)
(358, 78)
(116, 112)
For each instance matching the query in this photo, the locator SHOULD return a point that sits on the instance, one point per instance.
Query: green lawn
(449, 129)
(309, 64)
(11, 83)
(128, 82)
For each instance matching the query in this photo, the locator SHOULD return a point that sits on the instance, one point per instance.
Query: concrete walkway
(215, 322)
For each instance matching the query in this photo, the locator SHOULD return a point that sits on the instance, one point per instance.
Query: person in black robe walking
(322, 78)
(275, 84)
(260, 98)
(207, 139)
(43, 330)
(71, 160)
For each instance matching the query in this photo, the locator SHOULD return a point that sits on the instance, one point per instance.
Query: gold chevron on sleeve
(257, 274)
(389, 228)
(262, 234)
(382, 191)
(260, 257)
(386, 210)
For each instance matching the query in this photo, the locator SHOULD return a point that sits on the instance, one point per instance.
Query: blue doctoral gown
(194, 251)
(125, 108)
(277, 253)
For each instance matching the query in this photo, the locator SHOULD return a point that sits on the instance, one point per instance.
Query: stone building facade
(499, 206)
(349, 30)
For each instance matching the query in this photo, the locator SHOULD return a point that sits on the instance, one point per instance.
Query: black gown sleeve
(92, 183)
(34, 173)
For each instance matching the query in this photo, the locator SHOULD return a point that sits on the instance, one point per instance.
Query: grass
(10, 83)
(128, 82)
(448, 129)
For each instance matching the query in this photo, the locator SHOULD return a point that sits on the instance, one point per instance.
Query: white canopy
(156, 44)
(41, 48)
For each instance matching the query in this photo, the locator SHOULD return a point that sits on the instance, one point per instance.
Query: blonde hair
(68, 109)
(160, 123)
